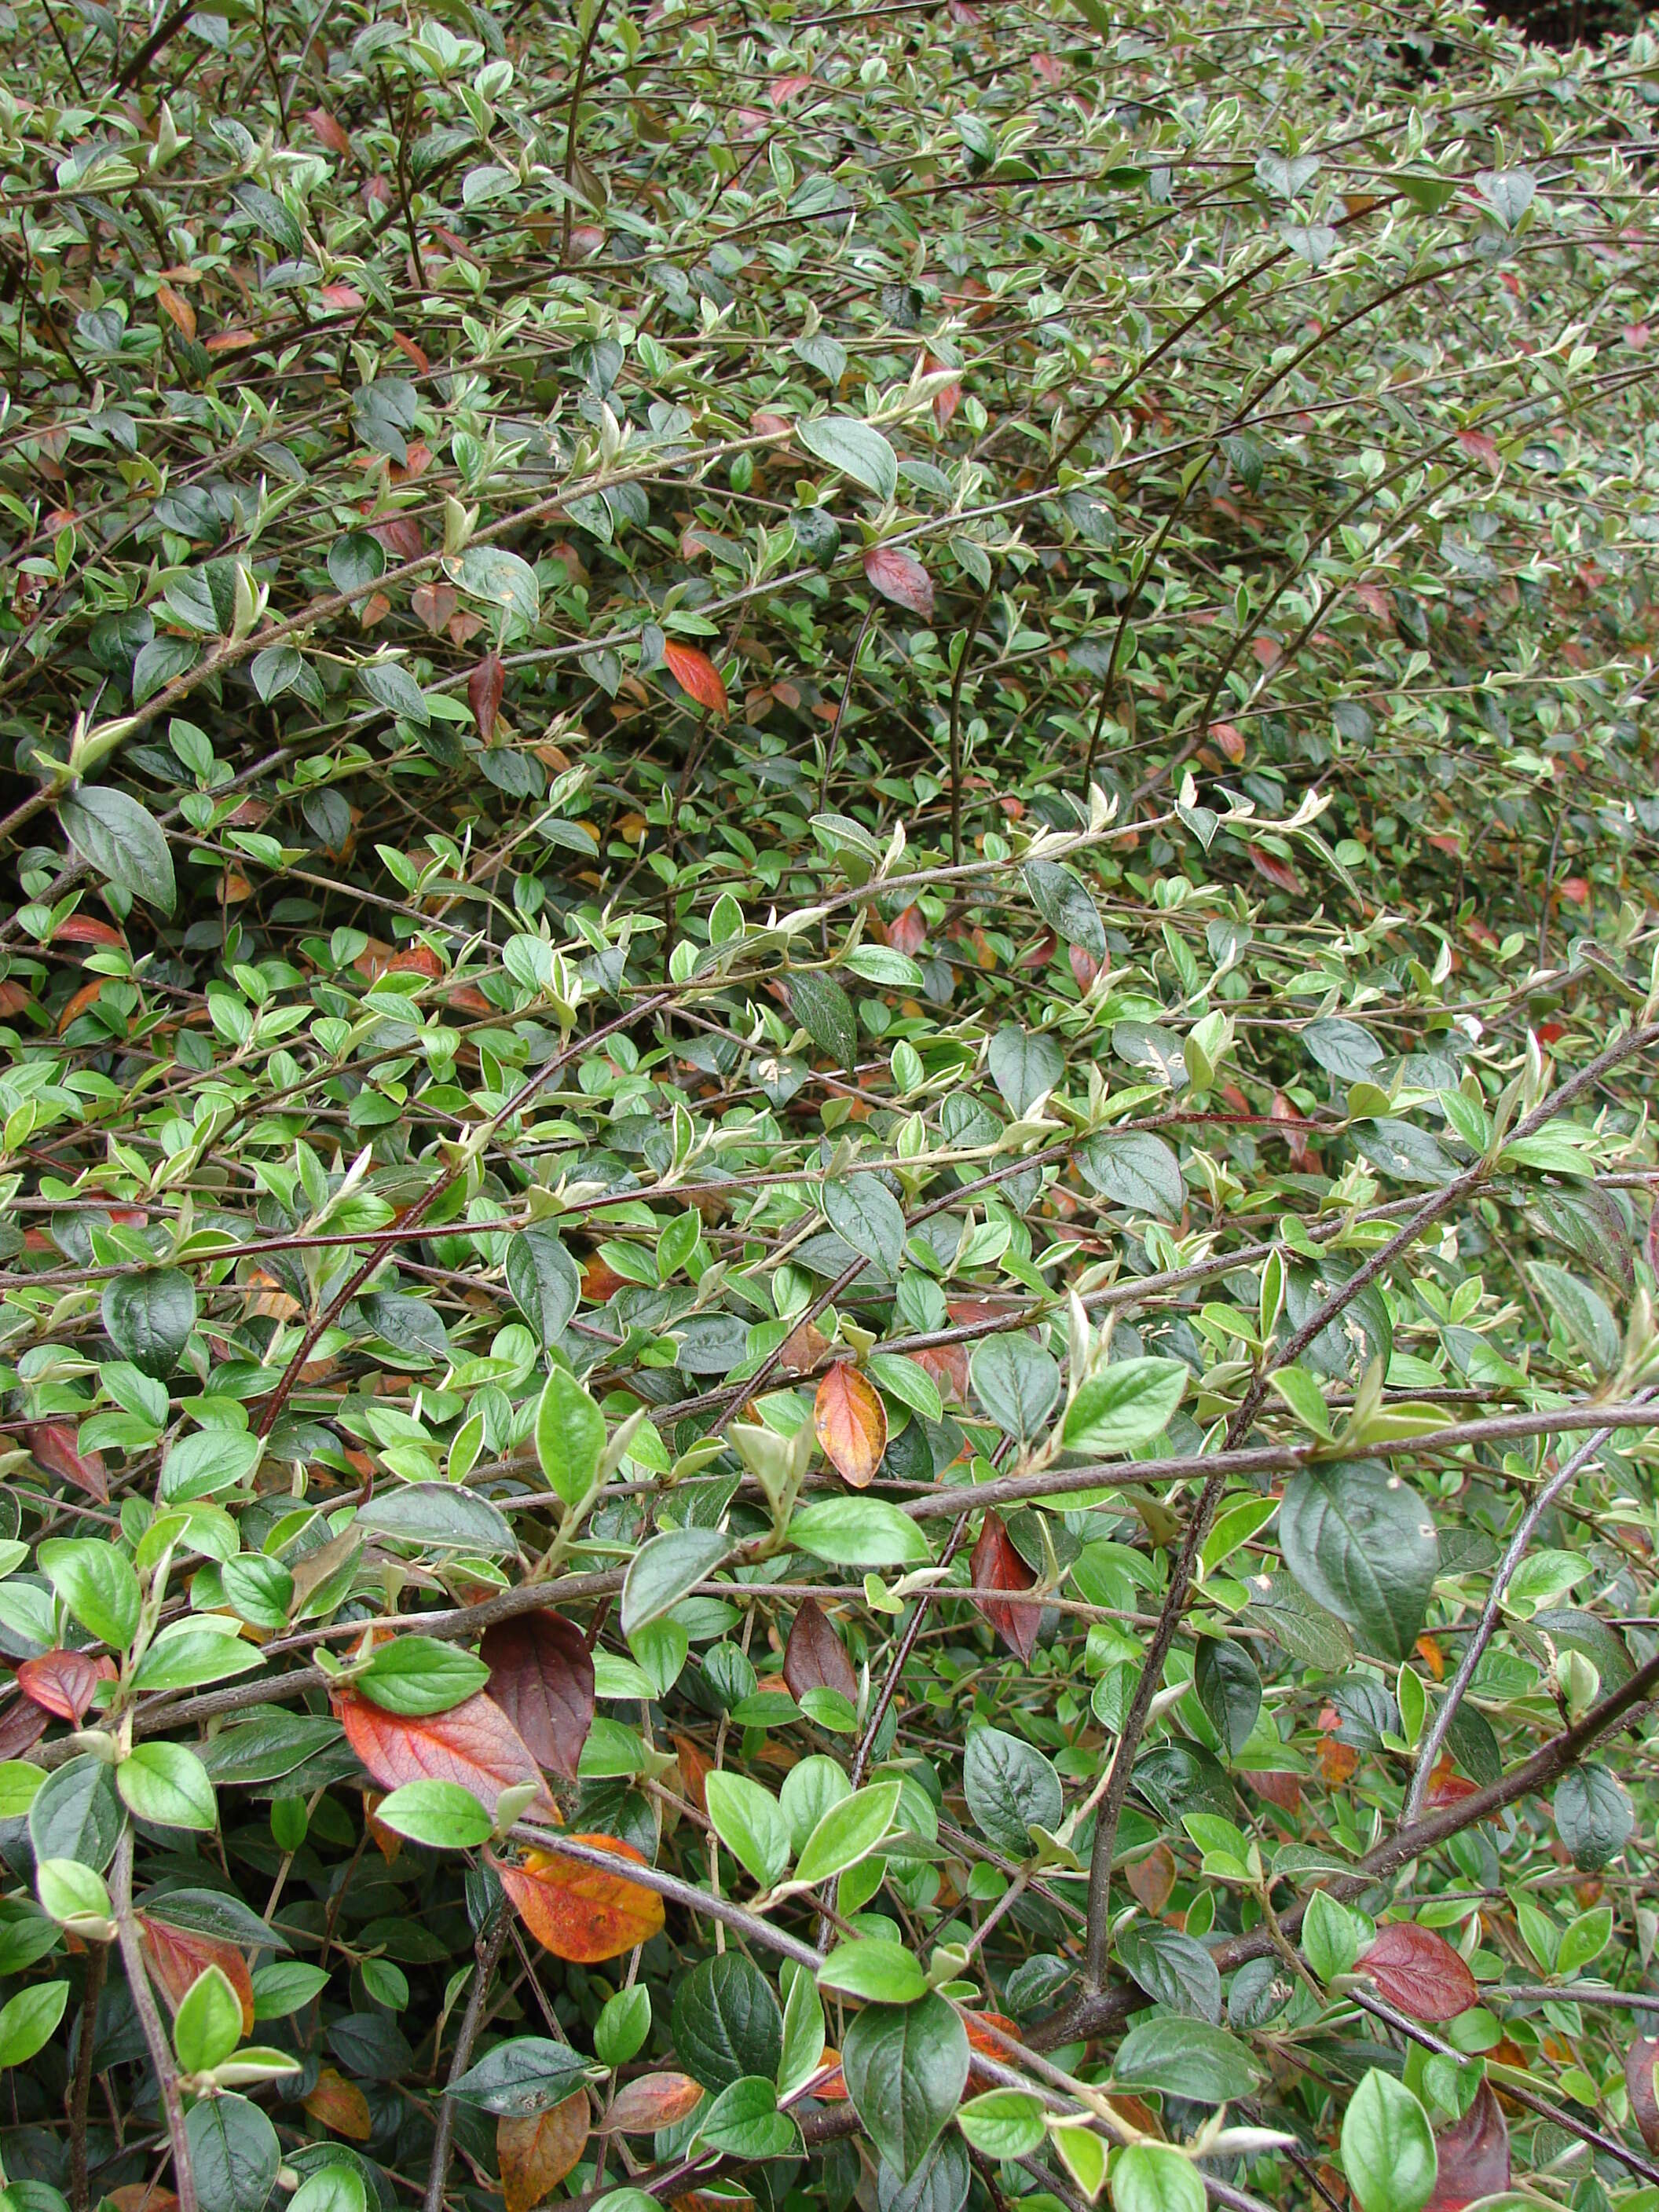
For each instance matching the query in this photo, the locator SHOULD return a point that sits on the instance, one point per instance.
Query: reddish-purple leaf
(902, 578)
(1420, 1971)
(483, 694)
(996, 1565)
(1474, 2156)
(815, 1657)
(52, 1444)
(22, 1724)
(63, 1683)
(541, 1675)
(1639, 2087)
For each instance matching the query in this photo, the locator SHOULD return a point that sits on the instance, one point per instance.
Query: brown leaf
(696, 1766)
(1474, 2155)
(803, 1348)
(63, 1683)
(52, 1447)
(541, 1675)
(1084, 966)
(340, 2104)
(908, 932)
(948, 1365)
(183, 314)
(434, 604)
(140, 2197)
(580, 1912)
(485, 686)
(536, 2155)
(328, 130)
(1640, 2088)
(1151, 1880)
(695, 672)
(654, 2101)
(474, 1744)
(1279, 872)
(22, 1727)
(850, 1423)
(178, 1955)
(815, 1658)
(996, 1565)
(1420, 1971)
(901, 577)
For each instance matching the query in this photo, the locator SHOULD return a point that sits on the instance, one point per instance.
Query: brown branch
(149, 2021)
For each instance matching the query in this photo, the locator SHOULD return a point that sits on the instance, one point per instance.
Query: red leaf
(785, 88)
(984, 2043)
(580, 1912)
(1278, 871)
(342, 296)
(908, 932)
(22, 1727)
(52, 1444)
(902, 578)
(85, 929)
(996, 1565)
(654, 2101)
(696, 673)
(178, 1955)
(1474, 2155)
(948, 1365)
(434, 604)
(1084, 966)
(1151, 1880)
(851, 1424)
(485, 686)
(1639, 2087)
(1481, 447)
(541, 1675)
(63, 1683)
(330, 133)
(1420, 1971)
(473, 1744)
(815, 1657)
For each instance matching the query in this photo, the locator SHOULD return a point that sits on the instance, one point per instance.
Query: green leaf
(208, 2025)
(284, 1988)
(167, 1784)
(1361, 1542)
(1065, 903)
(864, 1212)
(28, 2021)
(187, 1658)
(272, 216)
(521, 2078)
(76, 1814)
(743, 2122)
(1582, 1311)
(492, 573)
(1010, 1787)
(1137, 1171)
(233, 2155)
(906, 2067)
(750, 1822)
(859, 1532)
(414, 1674)
(336, 2189)
(569, 1436)
(849, 1832)
(149, 1317)
(1003, 2123)
(1017, 1382)
(98, 1585)
(544, 1280)
(1229, 1689)
(1154, 2178)
(825, 1012)
(1124, 1405)
(667, 1570)
(876, 1969)
(842, 442)
(439, 1814)
(1388, 2146)
(1024, 1066)
(727, 2021)
(623, 2023)
(1176, 1971)
(1594, 1817)
(438, 1516)
(123, 841)
(1186, 2058)
(802, 2030)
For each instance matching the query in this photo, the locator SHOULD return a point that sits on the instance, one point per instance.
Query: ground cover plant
(828, 993)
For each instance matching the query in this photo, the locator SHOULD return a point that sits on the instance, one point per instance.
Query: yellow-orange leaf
(179, 308)
(581, 1912)
(696, 673)
(340, 2104)
(851, 1423)
(536, 2155)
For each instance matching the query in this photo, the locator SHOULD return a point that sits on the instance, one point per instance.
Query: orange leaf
(141, 2196)
(340, 2104)
(178, 1955)
(1151, 1879)
(815, 1658)
(580, 1912)
(536, 2155)
(232, 341)
(473, 1744)
(654, 2101)
(695, 672)
(179, 308)
(63, 1683)
(851, 1424)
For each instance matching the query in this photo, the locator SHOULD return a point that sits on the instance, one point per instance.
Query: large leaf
(906, 2067)
(122, 840)
(1011, 1787)
(584, 1912)
(473, 1745)
(842, 442)
(727, 2022)
(1362, 1543)
(541, 1675)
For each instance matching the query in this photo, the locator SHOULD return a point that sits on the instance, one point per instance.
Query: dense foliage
(826, 997)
